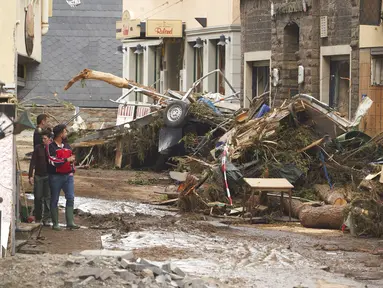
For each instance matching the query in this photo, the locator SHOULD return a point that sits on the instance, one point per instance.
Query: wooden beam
(119, 148)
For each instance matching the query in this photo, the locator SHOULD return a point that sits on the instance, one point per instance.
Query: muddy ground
(114, 214)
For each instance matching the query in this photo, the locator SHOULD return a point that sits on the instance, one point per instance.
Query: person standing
(60, 174)
(41, 125)
(40, 180)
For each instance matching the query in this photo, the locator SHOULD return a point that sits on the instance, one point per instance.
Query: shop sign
(164, 28)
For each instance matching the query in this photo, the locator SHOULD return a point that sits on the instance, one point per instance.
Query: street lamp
(121, 49)
(139, 49)
(222, 40)
(199, 43)
(24, 122)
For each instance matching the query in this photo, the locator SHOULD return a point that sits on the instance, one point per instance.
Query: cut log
(332, 196)
(324, 217)
(312, 216)
(296, 207)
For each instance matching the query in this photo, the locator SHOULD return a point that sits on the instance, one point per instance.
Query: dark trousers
(42, 198)
(58, 182)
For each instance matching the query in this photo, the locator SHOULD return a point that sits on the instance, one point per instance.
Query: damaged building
(331, 50)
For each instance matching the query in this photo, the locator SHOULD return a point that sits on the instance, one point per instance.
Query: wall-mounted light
(222, 40)
(199, 43)
(22, 123)
(121, 49)
(139, 49)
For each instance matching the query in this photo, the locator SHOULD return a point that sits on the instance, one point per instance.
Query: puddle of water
(254, 264)
(103, 207)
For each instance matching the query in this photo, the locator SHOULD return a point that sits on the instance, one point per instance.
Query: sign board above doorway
(164, 28)
(128, 27)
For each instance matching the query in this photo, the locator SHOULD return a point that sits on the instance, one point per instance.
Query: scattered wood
(314, 144)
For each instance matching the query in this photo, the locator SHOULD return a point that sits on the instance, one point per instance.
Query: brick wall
(93, 117)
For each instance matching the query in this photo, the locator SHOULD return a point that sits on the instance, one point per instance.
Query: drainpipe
(44, 17)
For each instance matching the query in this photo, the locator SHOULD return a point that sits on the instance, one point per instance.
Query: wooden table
(272, 185)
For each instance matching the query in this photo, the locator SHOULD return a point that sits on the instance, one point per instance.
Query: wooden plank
(167, 202)
(271, 184)
(119, 148)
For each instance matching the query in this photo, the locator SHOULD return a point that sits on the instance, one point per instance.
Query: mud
(249, 257)
(113, 207)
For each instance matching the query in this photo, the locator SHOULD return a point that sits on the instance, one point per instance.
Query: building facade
(23, 24)
(78, 37)
(331, 44)
(178, 42)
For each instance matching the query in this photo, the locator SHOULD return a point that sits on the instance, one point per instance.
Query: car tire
(176, 114)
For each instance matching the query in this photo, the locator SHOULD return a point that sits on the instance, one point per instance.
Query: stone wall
(261, 31)
(306, 55)
(93, 117)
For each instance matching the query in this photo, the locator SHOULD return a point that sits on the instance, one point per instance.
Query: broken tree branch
(116, 81)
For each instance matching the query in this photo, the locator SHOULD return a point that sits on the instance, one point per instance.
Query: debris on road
(214, 144)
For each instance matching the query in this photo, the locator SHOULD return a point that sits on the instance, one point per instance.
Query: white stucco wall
(217, 12)
(7, 176)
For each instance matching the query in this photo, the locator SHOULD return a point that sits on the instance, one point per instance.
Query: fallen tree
(325, 217)
(114, 80)
(334, 196)
(313, 216)
(119, 82)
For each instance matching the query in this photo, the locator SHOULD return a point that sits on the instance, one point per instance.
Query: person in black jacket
(40, 179)
(41, 125)
(60, 173)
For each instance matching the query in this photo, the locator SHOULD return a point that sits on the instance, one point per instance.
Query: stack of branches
(206, 115)
(257, 132)
(365, 213)
(142, 141)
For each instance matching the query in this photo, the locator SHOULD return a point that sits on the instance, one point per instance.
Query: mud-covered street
(115, 211)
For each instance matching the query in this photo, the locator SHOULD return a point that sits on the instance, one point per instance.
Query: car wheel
(176, 114)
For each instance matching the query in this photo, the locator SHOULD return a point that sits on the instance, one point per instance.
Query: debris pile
(103, 267)
(219, 145)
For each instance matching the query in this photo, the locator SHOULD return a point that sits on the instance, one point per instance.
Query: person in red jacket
(60, 172)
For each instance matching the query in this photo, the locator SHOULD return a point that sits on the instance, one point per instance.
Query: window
(377, 70)
(260, 78)
(221, 64)
(198, 67)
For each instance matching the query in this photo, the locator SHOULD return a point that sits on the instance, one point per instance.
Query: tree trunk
(119, 82)
(296, 207)
(114, 80)
(333, 197)
(324, 217)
